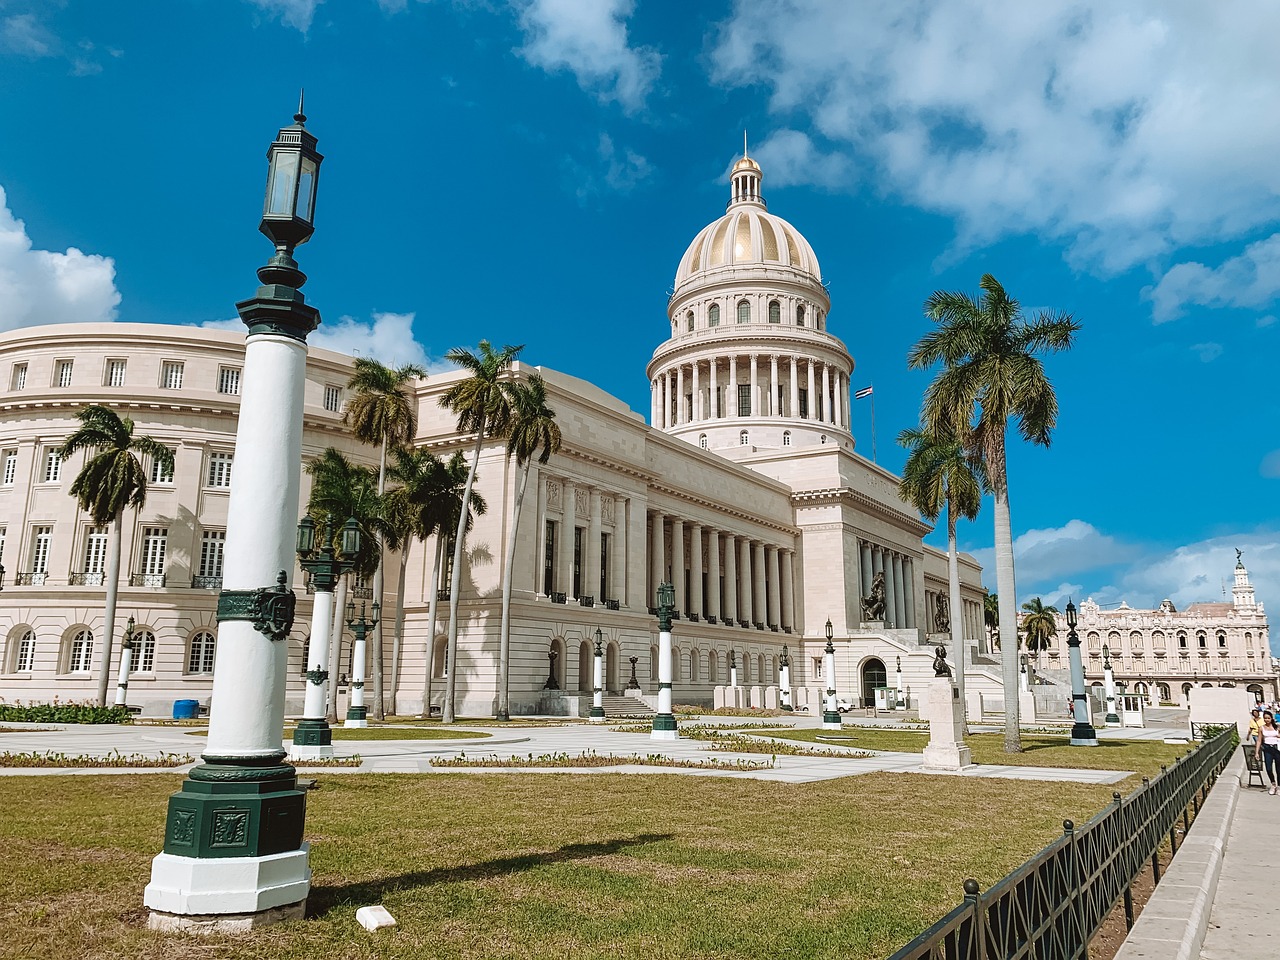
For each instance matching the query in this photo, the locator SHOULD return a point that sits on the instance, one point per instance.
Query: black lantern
(667, 595)
(1071, 615)
(599, 642)
(306, 544)
(350, 545)
(830, 632)
(288, 212)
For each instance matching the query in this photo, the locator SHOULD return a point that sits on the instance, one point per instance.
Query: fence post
(978, 935)
(1155, 854)
(1128, 887)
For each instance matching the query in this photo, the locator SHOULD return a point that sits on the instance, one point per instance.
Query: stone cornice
(835, 496)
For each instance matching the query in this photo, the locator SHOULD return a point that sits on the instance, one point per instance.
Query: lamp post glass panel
(361, 626)
(316, 555)
(664, 722)
(1082, 732)
(597, 702)
(126, 664)
(831, 715)
(233, 854)
(1112, 718)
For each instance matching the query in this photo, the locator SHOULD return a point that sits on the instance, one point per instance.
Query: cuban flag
(864, 392)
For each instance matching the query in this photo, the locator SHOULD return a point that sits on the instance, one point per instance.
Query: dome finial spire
(300, 117)
(744, 142)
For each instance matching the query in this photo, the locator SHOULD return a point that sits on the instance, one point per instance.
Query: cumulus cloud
(1251, 279)
(45, 286)
(1041, 555)
(292, 13)
(1125, 131)
(790, 158)
(1270, 466)
(614, 170)
(1205, 570)
(23, 34)
(589, 38)
(1208, 352)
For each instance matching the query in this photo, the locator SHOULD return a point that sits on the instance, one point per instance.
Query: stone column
(682, 415)
(591, 562)
(712, 394)
(909, 591)
(899, 609)
(653, 401)
(812, 394)
(620, 505)
(714, 608)
(773, 386)
(695, 570)
(677, 564)
(541, 560)
(774, 617)
(731, 401)
(657, 560)
(566, 541)
(755, 385)
(730, 613)
(697, 392)
(837, 401)
(827, 413)
(665, 420)
(794, 390)
(788, 590)
(757, 577)
(746, 610)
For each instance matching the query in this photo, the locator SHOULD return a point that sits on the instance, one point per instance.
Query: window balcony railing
(362, 593)
(32, 579)
(442, 595)
(88, 579)
(586, 601)
(146, 579)
(215, 583)
(559, 597)
(612, 604)
(694, 618)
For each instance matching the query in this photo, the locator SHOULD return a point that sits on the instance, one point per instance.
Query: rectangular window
(229, 380)
(95, 550)
(332, 398)
(804, 403)
(161, 473)
(171, 375)
(10, 467)
(62, 373)
(211, 545)
(81, 652)
(155, 542)
(115, 373)
(604, 565)
(2, 535)
(52, 466)
(549, 560)
(577, 561)
(219, 470)
(41, 538)
(744, 400)
(817, 668)
(18, 379)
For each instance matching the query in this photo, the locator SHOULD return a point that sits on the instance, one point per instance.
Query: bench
(1252, 764)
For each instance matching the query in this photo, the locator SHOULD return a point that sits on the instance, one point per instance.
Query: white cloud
(1270, 465)
(24, 34)
(589, 38)
(1251, 279)
(1208, 352)
(617, 170)
(1041, 555)
(292, 13)
(45, 286)
(1204, 570)
(789, 158)
(1124, 131)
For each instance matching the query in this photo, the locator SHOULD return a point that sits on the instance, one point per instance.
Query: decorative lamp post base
(228, 894)
(787, 706)
(1111, 720)
(312, 739)
(357, 717)
(664, 727)
(831, 721)
(1083, 735)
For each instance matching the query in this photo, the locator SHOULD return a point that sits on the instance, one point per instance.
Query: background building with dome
(744, 489)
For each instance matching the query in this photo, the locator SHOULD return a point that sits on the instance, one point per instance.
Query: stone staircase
(619, 706)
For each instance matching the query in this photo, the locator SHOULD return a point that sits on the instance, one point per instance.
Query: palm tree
(1039, 624)
(990, 366)
(532, 426)
(340, 490)
(991, 618)
(382, 411)
(941, 472)
(111, 480)
(483, 408)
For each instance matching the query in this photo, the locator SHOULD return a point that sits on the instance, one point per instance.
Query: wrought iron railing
(146, 579)
(557, 597)
(586, 601)
(215, 583)
(612, 604)
(1053, 904)
(34, 579)
(362, 593)
(89, 579)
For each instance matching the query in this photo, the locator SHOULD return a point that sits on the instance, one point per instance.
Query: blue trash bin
(186, 709)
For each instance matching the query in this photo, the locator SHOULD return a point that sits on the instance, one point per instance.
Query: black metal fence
(1050, 907)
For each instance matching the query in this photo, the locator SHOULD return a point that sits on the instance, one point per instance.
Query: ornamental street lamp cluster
(831, 715)
(664, 721)
(361, 627)
(1082, 732)
(126, 663)
(325, 562)
(1112, 719)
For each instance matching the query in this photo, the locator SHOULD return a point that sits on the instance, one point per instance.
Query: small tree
(1039, 624)
(111, 480)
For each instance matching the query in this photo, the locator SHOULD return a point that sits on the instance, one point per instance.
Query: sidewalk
(1242, 922)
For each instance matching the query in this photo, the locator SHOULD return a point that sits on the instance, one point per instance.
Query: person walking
(1255, 725)
(1268, 746)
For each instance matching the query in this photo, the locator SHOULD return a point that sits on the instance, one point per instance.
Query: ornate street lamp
(1082, 732)
(126, 664)
(233, 855)
(784, 679)
(312, 737)
(1112, 718)
(899, 687)
(597, 702)
(664, 722)
(361, 626)
(830, 716)
(733, 668)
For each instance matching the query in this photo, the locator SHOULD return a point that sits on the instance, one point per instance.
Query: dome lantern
(745, 179)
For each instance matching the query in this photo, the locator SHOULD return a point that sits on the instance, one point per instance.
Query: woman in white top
(1268, 746)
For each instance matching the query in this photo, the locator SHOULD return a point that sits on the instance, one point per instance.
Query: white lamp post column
(234, 856)
(361, 626)
(733, 668)
(784, 679)
(597, 676)
(1112, 718)
(664, 722)
(1082, 732)
(126, 664)
(900, 689)
(830, 716)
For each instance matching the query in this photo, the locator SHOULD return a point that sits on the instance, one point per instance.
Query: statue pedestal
(874, 625)
(946, 749)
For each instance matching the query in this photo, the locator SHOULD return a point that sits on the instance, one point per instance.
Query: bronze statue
(940, 667)
(941, 614)
(873, 606)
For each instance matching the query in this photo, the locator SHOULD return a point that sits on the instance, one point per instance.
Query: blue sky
(530, 171)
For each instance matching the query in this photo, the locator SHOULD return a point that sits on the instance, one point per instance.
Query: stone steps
(626, 707)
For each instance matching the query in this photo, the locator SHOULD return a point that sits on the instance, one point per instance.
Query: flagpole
(873, 424)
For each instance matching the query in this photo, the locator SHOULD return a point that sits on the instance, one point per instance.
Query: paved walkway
(415, 756)
(1242, 923)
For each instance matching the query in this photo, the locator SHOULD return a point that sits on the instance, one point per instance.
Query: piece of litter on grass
(375, 917)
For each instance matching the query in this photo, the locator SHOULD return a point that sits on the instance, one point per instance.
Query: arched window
(702, 440)
(22, 647)
(200, 657)
(689, 321)
(144, 652)
(1201, 640)
(786, 438)
(744, 311)
(713, 315)
(775, 311)
(79, 652)
(1135, 641)
(1182, 641)
(800, 315)
(1248, 640)
(744, 439)
(1222, 640)
(440, 663)
(1095, 642)
(695, 666)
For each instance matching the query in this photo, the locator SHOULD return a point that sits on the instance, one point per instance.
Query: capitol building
(743, 487)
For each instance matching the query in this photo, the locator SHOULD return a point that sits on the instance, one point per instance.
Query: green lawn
(483, 866)
(1144, 757)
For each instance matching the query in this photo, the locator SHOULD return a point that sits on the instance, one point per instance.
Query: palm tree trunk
(379, 704)
(455, 582)
(1007, 594)
(504, 646)
(335, 646)
(433, 603)
(397, 639)
(958, 645)
(109, 614)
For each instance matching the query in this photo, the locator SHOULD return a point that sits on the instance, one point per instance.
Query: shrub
(61, 713)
